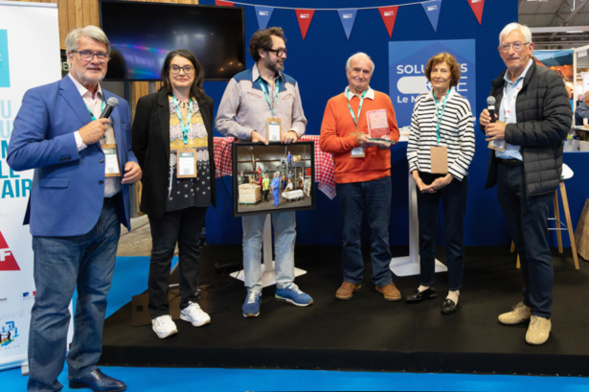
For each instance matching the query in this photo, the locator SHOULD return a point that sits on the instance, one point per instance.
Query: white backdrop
(29, 57)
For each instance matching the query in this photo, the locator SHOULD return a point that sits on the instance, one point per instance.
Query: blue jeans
(62, 263)
(182, 227)
(527, 219)
(453, 198)
(285, 235)
(374, 198)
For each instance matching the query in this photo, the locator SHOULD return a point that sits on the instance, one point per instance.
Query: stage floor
(367, 332)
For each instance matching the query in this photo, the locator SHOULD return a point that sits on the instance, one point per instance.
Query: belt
(510, 162)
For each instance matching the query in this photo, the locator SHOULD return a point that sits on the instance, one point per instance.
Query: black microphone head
(112, 101)
(490, 100)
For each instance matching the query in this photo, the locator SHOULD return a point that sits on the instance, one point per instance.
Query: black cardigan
(151, 145)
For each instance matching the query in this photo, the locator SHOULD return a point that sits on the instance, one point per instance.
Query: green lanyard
(90, 111)
(440, 114)
(276, 88)
(355, 117)
(183, 125)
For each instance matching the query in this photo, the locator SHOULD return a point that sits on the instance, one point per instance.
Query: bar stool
(560, 226)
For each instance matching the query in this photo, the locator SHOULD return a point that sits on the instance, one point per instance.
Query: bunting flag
(432, 10)
(224, 3)
(347, 16)
(477, 7)
(263, 14)
(389, 14)
(304, 16)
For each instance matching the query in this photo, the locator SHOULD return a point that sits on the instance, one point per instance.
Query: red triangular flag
(7, 260)
(389, 14)
(304, 17)
(477, 7)
(224, 3)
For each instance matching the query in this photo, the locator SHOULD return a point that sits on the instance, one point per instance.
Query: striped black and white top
(456, 133)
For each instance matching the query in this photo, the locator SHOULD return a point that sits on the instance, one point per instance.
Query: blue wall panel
(318, 64)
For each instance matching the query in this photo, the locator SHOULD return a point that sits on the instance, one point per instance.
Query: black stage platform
(367, 332)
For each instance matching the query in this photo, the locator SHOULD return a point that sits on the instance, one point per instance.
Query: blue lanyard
(102, 105)
(183, 125)
(355, 117)
(440, 114)
(276, 88)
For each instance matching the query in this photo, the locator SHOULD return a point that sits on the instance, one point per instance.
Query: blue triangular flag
(263, 14)
(432, 10)
(347, 17)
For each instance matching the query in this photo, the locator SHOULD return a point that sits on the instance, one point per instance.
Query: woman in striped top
(440, 149)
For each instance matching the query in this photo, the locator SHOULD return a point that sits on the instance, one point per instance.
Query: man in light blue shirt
(534, 119)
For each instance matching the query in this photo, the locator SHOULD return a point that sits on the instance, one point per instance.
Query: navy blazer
(68, 185)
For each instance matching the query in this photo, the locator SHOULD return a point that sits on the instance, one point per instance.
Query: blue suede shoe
(98, 382)
(251, 306)
(294, 295)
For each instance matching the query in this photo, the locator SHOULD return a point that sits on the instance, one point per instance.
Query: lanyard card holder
(186, 163)
(111, 160)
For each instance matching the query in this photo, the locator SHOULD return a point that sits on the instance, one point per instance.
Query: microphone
(490, 107)
(112, 102)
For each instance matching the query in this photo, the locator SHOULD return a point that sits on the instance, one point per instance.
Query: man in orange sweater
(358, 128)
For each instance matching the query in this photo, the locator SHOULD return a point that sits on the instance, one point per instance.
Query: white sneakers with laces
(164, 326)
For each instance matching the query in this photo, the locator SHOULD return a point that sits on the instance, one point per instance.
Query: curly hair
(262, 39)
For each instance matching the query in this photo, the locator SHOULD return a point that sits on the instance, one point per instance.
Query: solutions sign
(407, 78)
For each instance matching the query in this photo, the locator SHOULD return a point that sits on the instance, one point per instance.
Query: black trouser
(184, 227)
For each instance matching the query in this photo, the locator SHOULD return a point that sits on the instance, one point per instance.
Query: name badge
(186, 163)
(357, 152)
(274, 128)
(439, 159)
(111, 160)
(498, 145)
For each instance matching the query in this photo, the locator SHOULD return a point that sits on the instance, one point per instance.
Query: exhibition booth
(366, 333)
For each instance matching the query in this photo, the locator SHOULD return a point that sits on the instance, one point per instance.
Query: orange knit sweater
(336, 138)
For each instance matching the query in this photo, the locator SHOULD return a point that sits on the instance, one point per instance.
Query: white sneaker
(195, 315)
(164, 326)
(519, 314)
(538, 330)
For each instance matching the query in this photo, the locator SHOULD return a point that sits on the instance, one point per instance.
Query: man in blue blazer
(79, 198)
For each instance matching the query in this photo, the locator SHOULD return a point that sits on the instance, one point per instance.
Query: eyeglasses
(188, 69)
(517, 46)
(88, 55)
(279, 52)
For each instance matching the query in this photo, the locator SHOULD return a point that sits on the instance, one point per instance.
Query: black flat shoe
(420, 296)
(448, 306)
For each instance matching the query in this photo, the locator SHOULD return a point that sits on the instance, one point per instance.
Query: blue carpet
(130, 278)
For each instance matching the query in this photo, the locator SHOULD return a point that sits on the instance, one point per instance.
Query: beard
(274, 66)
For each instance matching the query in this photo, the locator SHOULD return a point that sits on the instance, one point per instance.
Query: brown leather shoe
(346, 290)
(390, 292)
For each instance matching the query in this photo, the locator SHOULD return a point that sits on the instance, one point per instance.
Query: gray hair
(93, 32)
(525, 30)
(359, 54)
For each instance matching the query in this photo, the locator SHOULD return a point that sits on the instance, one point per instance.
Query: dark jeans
(374, 198)
(182, 227)
(62, 264)
(453, 198)
(527, 225)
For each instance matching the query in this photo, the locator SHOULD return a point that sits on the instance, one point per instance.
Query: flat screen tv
(142, 34)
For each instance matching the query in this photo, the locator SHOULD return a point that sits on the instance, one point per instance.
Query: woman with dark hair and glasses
(173, 142)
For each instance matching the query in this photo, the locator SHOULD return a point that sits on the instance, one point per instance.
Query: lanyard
(439, 113)
(355, 117)
(90, 111)
(183, 125)
(276, 88)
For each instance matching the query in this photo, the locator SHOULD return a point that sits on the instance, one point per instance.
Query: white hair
(356, 55)
(525, 30)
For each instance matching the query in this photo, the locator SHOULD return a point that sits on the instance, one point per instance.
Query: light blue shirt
(507, 112)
